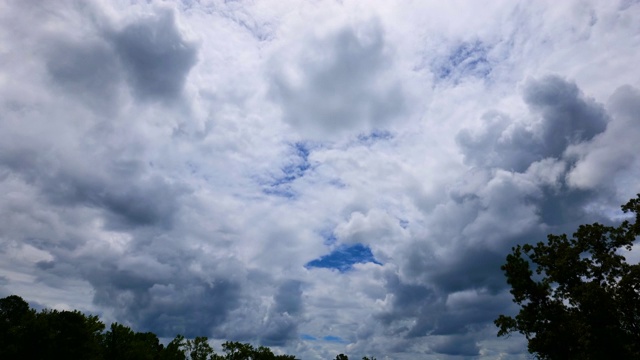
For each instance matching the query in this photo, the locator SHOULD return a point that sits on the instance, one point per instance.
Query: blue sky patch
(282, 191)
(344, 257)
(330, 239)
(335, 339)
(296, 167)
(468, 59)
(299, 164)
(328, 338)
(375, 136)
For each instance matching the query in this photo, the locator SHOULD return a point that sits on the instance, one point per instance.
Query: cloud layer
(322, 178)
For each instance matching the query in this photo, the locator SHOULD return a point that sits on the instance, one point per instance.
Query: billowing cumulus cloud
(89, 70)
(338, 82)
(562, 116)
(321, 178)
(156, 57)
(613, 151)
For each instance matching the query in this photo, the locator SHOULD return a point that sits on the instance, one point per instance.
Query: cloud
(458, 345)
(565, 117)
(129, 193)
(519, 181)
(204, 168)
(612, 151)
(361, 228)
(289, 298)
(338, 83)
(156, 57)
(88, 70)
(150, 305)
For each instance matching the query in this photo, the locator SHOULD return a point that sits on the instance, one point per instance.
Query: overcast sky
(320, 177)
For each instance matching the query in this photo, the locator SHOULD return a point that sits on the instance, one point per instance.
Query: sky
(319, 177)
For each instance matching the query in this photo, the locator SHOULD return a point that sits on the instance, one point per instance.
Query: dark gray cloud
(339, 84)
(612, 152)
(567, 116)
(127, 190)
(462, 345)
(499, 144)
(282, 324)
(88, 71)
(471, 268)
(445, 309)
(156, 57)
(174, 306)
(564, 117)
(288, 298)
(145, 285)
(279, 330)
(150, 53)
(470, 311)
(147, 202)
(94, 165)
(408, 298)
(88, 166)
(276, 324)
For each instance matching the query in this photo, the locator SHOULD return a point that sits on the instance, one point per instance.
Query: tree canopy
(53, 334)
(581, 300)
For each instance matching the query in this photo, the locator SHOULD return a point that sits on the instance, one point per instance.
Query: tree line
(52, 334)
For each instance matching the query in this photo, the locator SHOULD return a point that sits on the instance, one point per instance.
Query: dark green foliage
(120, 342)
(199, 349)
(235, 351)
(342, 357)
(67, 335)
(584, 300)
(16, 322)
(53, 334)
(238, 351)
(173, 351)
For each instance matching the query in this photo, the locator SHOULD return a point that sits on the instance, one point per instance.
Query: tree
(66, 335)
(174, 349)
(118, 342)
(122, 343)
(584, 300)
(342, 357)
(53, 334)
(146, 346)
(234, 350)
(199, 348)
(16, 323)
